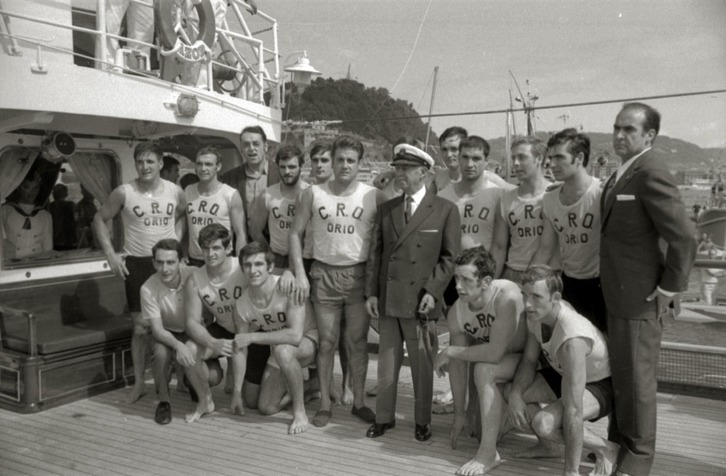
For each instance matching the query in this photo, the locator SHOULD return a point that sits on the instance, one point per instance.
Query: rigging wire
(410, 55)
(552, 106)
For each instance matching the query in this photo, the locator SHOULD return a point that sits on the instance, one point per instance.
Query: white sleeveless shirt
(272, 317)
(146, 220)
(204, 210)
(569, 325)
(477, 214)
(477, 324)
(220, 298)
(523, 216)
(342, 225)
(280, 214)
(578, 230)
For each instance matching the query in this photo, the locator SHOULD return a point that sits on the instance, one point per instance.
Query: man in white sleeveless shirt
(162, 305)
(275, 208)
(555, 401)
(151, 209)
(572, 225)
(488, 330)
(216, 287)
(211, 201)
(289, 329)
(342, 212)
(519, 224)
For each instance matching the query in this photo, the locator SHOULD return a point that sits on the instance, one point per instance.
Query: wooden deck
(102, 435)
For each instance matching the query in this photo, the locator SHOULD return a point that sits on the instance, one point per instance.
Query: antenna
(527, 104)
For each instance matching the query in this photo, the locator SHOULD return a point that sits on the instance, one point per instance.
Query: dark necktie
(409, 206)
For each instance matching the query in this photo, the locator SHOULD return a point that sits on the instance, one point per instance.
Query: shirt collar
(418, 196)
(624, 167)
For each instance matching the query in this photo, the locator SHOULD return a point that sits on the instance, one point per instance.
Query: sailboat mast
(431, 107)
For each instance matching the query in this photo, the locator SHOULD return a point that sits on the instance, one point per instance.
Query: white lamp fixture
(302, 71)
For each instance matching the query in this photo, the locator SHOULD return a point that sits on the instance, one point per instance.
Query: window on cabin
(48, 207)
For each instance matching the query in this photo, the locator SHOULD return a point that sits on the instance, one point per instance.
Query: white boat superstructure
(80, 91)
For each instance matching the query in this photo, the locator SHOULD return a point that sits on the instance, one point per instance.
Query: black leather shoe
(378, 429)
(423, 432)
(163, 413)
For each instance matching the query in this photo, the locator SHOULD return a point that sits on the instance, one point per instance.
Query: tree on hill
(348, 100)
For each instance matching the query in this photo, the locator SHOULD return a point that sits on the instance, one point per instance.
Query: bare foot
(540, 450)
(476, 466)
(443, 409)
(135, 393)
(605, 460)
(205, 405)
(347, 396)
(335, 397)
(299, 425)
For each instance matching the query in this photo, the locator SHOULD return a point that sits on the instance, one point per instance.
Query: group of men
(530, 347)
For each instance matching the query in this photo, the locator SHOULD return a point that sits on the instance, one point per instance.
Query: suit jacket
(643, 207)
(408, 260)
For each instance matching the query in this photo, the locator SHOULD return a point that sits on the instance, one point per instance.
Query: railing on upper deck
(247, 77)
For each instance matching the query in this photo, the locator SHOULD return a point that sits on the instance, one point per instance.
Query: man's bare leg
(328, 321)
(547, 425)
(139, 342)
(356, 341)
(229, 381)
(198, 376)
(491, 406)
(347, 395)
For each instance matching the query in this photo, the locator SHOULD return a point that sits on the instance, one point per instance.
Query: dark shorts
(586, 297)
(512, 275)
(602, 390)
(281, 262)
(337, 286)
(257, 355)
(140, 269)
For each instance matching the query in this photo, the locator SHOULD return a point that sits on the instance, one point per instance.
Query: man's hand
(662, 301)
(241, 341)
(372, 306)
(223, 347)
(235, 405)
(253, 5)
(286, 283)
(117, 263)
(517, 410)
(185, 356)
(302, 289)
(459, 424)
(427, 304)
(440, 362)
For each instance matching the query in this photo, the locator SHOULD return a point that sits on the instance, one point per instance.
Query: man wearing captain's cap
(415, 239)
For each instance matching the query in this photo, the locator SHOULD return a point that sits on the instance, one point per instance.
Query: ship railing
(691, 368)
(251, 79)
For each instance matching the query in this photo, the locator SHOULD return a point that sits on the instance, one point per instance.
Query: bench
(62, 340)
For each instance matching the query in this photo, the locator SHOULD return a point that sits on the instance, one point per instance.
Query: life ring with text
(171, 16)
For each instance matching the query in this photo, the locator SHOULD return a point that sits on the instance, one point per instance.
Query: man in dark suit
(415, 239)
(640, 206)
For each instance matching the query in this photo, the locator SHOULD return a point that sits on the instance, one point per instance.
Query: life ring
(168, 15)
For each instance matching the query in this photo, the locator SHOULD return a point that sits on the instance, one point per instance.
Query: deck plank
(103, 435)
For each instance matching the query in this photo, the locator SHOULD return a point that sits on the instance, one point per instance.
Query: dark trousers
(585, 295)
(393, 332)
(634, 346)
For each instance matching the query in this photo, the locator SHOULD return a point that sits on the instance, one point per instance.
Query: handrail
(261, 78)
(32, 327)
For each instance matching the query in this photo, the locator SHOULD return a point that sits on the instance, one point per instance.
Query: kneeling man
(288, 328)
(576, 388)
(162, 306)
(488, 329)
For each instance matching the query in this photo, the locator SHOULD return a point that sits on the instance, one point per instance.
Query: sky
(570, 51)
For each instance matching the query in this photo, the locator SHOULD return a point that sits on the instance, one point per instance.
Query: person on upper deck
(27, 228)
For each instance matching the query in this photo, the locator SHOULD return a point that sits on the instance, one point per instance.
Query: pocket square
(429, 231)
(625, 198)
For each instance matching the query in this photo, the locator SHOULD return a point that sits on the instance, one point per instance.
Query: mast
(431, 107)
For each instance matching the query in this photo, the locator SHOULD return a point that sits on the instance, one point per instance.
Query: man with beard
(211, 201)
(275, 208)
